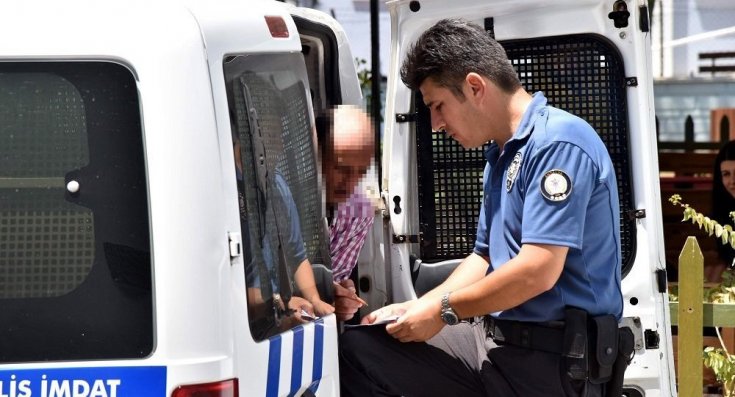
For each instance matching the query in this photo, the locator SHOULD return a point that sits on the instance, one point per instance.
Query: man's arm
(472, 269)
(304, 280)
(535, 270)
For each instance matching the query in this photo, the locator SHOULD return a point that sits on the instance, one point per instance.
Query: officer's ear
(476, 86)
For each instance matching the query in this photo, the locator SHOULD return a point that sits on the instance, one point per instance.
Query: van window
(281, 211)
(75, 269)
(582, 74)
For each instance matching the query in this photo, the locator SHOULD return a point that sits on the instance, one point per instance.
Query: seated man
(282, 263)
(347, 152)
(347, 149)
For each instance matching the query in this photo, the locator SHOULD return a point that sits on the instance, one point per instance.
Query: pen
(354, 294)
(357, 298)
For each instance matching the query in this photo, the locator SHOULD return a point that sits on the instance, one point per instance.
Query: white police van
(138, 141)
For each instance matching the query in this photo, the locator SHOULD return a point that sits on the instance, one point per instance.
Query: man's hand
(396, 309)
(297, 304)
(346, 302)
(419, 323)
(322, 308)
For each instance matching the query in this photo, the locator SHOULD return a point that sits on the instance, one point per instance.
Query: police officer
(547, 242)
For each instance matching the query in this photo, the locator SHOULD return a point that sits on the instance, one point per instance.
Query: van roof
(138, 29)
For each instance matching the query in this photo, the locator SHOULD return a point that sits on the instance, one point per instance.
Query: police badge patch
(513, 168)
(556, 185)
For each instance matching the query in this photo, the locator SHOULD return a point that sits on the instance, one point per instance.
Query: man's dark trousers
(459, 361)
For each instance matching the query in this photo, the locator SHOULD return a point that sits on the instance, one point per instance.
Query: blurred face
(727, 170)
(343, 169)
(348, 154)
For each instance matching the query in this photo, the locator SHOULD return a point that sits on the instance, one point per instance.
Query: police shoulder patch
(513, 169)
(556, 185)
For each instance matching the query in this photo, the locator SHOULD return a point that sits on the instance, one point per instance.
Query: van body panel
(349, 86)
(201, 331)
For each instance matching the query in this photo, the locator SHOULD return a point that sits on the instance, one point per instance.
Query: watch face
(449, 317)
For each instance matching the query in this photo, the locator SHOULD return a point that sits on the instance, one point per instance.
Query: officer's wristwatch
(447, 314)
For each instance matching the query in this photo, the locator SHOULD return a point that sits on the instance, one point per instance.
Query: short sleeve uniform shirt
(554, 183)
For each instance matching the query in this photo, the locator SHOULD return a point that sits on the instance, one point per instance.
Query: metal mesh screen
(75, 264)
(42, 114)
(46, 244)
(285, 125)
(279, 176)
(450, 192)
(582, 74)
(299, 168)
(250, 206)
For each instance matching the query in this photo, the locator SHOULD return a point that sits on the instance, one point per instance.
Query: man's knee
(359, 361)
(359, 343)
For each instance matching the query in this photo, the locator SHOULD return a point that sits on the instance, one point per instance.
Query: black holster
(626, 347)
(574, 351)
(603, 348)
(596, 350)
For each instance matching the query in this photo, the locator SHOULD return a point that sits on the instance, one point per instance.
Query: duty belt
(548, 337)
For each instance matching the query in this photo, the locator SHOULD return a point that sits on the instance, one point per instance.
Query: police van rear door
(333, 82)
(273, 91)
(589, 57)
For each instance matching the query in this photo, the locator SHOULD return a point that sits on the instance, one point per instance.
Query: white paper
(382, 321)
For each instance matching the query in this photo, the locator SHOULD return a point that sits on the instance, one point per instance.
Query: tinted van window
(75, 268)
(281, 212)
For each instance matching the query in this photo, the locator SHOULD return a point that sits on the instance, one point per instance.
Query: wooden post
(689, 134)
(724, 129)
(721, 124)
(691, 283)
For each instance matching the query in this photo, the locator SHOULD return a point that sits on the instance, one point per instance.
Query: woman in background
(723, 202)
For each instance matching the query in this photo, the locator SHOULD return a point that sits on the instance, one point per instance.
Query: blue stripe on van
(297, 361)
(274, 366)
(318, 354)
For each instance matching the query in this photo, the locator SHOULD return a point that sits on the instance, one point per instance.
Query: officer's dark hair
(451, 49)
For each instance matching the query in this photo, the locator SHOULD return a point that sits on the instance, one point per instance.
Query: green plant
(723, 365)
(710, 226)
(365, 77)
(718, 359)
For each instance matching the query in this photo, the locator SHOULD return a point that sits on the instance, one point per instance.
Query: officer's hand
(396, 309)
(346, 302)
(419, 323)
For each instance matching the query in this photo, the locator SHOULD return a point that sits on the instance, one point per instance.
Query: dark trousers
(459, 361)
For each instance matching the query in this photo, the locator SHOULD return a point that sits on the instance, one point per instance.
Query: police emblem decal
(556, 185)
(513, 169)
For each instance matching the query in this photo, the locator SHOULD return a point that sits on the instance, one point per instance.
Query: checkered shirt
(347, 234)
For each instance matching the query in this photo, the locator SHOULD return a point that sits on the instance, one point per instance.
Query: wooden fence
(690, 314)
(720, 132)
(713, 67)
(686, 169)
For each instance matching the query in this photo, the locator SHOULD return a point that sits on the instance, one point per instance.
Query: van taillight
(277, 26)
(225, 388)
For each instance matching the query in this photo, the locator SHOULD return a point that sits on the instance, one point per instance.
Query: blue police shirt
(554, 183)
